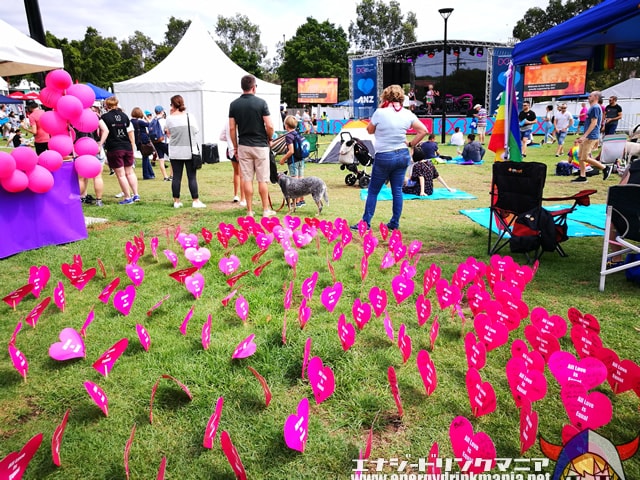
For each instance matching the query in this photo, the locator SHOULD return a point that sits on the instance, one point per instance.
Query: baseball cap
(147, 113)
(159, 109)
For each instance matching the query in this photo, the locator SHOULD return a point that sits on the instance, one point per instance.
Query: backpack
(536, 229)
(564, 169)
(299, 152)
(155, 131)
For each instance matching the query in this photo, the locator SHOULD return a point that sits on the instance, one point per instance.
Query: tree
(138, 49)
(239, 39)
(379, 26)
(537, 20)
(317, 50)
(176, 29)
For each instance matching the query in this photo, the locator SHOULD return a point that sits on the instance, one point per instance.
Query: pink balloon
(40, 180)
(88, 166)
(82, 92)
(50, 159)
(87, 122)
(86, 146)
(63, 144)
(59, 79)
(49, 96)
(53, 123)
(17, 182)
(7, 165)
(69, 107)
(25, 158)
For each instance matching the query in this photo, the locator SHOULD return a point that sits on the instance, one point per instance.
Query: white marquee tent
(206, 78)
(20, 54)
(628, 93)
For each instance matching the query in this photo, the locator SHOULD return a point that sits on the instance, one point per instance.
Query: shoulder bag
(196, 158)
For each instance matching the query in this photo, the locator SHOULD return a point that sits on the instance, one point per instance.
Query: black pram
(353, 152)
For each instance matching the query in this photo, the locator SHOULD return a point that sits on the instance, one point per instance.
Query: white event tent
(206, 78)
(20, 54)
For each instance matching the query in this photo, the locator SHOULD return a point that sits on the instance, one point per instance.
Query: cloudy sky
(491, 20)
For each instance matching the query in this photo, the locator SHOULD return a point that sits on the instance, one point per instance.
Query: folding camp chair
(312, 138)
(623, 214)
(516, 209)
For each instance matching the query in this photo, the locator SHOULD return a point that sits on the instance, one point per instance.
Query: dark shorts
(163, 149)
(120, 158)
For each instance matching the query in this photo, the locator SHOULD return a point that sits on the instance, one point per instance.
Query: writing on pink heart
(468, 446)
(525, 384)
(39, 277)
(589, 372)
(378, 300)
(331, 295)
(123, 299)
(427, 370)
(586, 410)
(98, 396)
(106, 361)
(296, 427)
(195, 284)
(321, 379)
(482, 396)
(245, 348)
(346, 333)
(135, 273)
(361, 312)
(402, 287)
(70, 346)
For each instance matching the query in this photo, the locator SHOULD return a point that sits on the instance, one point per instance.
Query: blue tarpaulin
(101, 93)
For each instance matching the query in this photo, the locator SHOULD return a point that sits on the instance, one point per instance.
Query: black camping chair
(623, 214)
(516, 209)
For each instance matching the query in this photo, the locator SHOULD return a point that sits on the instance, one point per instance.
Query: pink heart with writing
(39, 277)
(296, 427)
(98, 396)
(502, 264)
(292, 222)
(388, 327)
(229, 265)
(468, 446)
(361, 312)
(433, 333)
(331, 295)
(143, 336)
(414, 248)
(242, 308)
(384, 230)
(108, 290)
(70, 346)
(241, 235)
(491, 333)
(14, 465)
(34, 315)
(321, 379)
(231, 452)
(187, 240)
(291, 257)
(304, 313)
(123, 299)
(525, 384)
(399, 252)
(427, 370)
(553, 324)
(245, 348)
(58, 296)
(464, 275)
(227, 229)
(622, 375)
(135, 273)
(195, 284)
(56, 439)
(301, 239)
(589, 372)
(586, 341)
(430, 277)
(378, 299)
(205, 333)
(198, 257)
(533, 359)
(402, 287)
(263, 240)
(212, 425)
(369, 243)
(269, 223)
(528, 427)
(388, 261)
(544, 343)
(83, 278)
(338, 249)
(477, 298)
(395, 239)
(131, 252)
(507, 316)
(309, 285)
(586, 410)
(448, 295)
(586, 320)
(482, 396)
(423, 309)
(154, 247)
(171, 256)
(404, 343)
(107, 360)
(475, 351)
(19, 361)
(346, 333)
(407, 269)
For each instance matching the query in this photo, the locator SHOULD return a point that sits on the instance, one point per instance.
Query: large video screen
(318, 90)
(555, 79)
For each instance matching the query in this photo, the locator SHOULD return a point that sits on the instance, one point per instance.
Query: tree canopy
(537, 20)
(239, 39)
(379, 25)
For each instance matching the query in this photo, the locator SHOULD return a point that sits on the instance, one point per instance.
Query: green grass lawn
(93, 445)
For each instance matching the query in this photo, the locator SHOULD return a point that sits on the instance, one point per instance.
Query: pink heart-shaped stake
(544, 343)
(195, 284)
(143, 336)
(388, 327)
(338, 249)
(622, 375)
(263, 240)
(399, 252)
(414, 248)
(468, 446)
(70, 346)
(59, 297)
(105, 362)
(553, 324)
(331, 296)
(269, 223)
(14, 465)
(427, 370)
(304, 313)
(309, 286)
(187, 240)
(123, 299)
(404, 343)
(212, 425)
(491, 333)
(131, 252)
(346, 333)
(369, 243)
(533, 359)
(171, 256)
(187, 319)
(378, 299)
(589, 372)
(402, 287)
(154, 247)
(395, 390)
(395, 240)
(98, 396)
(586, 410)
(242, 308)
(34, 315)
(384, 230)
(477, 298)
(56, 439)
(423, 309)
(587, 320)
(586, 341)
(291, 257)
(321, 379)
(528, 427)
(19, 361)
(245, 348)
(506, 315)
(296, 427)
(525, 384)
(433, 332)
(407, 269)
(288, 296)
(305, 356)
(431, 276)
(482, 396)
(39, 277)
(108, 290)
(198, 257)
(448, 295)
(83, 278)
(361, 312)
(205, 335)
(232, 455)
(229, 265)
(475, 351)
(301, 239)
(364, 268)
(464, 275)
(388, 261)
(135, 273)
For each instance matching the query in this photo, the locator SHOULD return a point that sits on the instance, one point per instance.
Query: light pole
(445, 13)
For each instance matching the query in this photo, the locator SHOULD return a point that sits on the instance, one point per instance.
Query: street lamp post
(445, 13)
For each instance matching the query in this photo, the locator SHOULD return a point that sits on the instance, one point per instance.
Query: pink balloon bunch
(22, 169)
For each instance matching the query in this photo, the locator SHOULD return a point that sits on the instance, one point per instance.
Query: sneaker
(198, 204)
(243, 203)
(167, 179)
(607, 171)
(268, 213)
(236, 199)
(112, 172)
(580, 180)
(136, 198)
(300, 204)
(126, 201)
(89, 199)
(83, 199)
(177, 204)
(99, 203)
(250, 214)
(119, 195)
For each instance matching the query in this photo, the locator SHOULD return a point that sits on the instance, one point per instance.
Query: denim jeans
(147, 169)
(387, 166)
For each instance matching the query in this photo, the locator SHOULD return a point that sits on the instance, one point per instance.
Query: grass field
(93, 445)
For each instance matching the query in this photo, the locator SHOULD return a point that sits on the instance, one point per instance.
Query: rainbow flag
(505, 136)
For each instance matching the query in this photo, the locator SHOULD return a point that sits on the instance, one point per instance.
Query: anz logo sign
(364, 100)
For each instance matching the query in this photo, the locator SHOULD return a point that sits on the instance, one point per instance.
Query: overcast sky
(491, 20)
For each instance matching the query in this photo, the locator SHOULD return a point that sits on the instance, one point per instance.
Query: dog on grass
(293, 188)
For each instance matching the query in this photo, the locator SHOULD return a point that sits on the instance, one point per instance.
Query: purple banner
(32, 220)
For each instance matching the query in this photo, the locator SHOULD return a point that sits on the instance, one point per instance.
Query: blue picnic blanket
(438, 194)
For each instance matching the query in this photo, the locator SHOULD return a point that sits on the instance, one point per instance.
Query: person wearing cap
(481, 121)
(40, 135)
(159, 124)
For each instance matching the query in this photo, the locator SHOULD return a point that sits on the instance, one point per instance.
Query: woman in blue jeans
(389, 123)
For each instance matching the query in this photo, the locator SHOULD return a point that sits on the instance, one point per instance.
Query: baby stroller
(352, 154)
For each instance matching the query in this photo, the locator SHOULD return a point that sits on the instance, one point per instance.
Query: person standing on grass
(296, 167)
(562, 121)
(527, 119)
(582, 117)
(157, 130)
(589, 140)
(612, 114)
(389, 123)
(40, 135)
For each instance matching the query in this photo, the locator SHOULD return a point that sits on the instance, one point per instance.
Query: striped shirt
(179, 148)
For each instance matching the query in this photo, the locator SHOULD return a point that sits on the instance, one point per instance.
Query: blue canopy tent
(7, 100)
(612, 22)
(101, 93)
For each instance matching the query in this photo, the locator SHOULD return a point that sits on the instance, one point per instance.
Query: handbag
(196, 158)
(147, 149)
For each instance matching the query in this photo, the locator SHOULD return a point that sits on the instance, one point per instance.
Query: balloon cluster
(71, 104)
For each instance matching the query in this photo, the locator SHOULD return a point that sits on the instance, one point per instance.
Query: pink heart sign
(154, 247)
(232, 455)
(393, 384)
(187, 319)
(482, 396)
(229, 265)
(212, 425)
(475, 351)
(56, 439)
(105, 362)
(309, 286)
(245, 348)
(388, 261)
(427, 370)
(364, 268)
(525, 384)
(131, 252)
(242, 308)
(388, 327)
(39, 277)
(402, 287)
(198, 257)
(491, 333)
(123, 299)
(181, 275)
(187, 240)
(369, 242)
(195, 284)
(331, 296)
(15, 297)
(15, 464)
(305, 356)
(378, 299)
(263, 383)
(553, 324)
(384, 230)
(528, 427)
(304, 313)
(423, 309)
(70, 346)
(431, 276)
(135, 273)
(448, 295)
(207, 235)
(205, 335)
(346, 333)
(586, 320)
(532, 359)
(108, 290)
(296, 427)
(143, 336)
(98, 396)
(477, 298)
(34, 315)
(58, 296)
(19, 361)
(586, 410)
(321, 379)
(414, 248)
(361, 312)
(127, 450)
(468, 446)
(586, 341)
(433, 333)
(622, 375)
(404, 343)
(16, 330)
(544, 343)
(172, 257)
(338, 249)
(589, 372)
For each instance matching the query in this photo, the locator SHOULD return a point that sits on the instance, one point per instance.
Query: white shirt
(457, 139)
(563, 121)
(391, 128)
